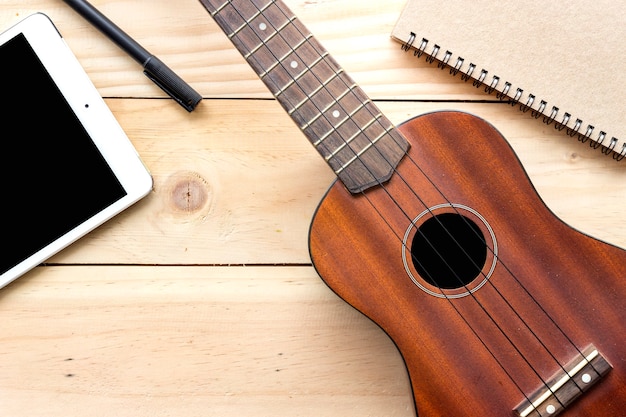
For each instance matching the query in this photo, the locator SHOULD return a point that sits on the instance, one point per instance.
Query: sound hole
(449, 251)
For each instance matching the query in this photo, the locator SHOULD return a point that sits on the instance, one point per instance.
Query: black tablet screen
(53, 176)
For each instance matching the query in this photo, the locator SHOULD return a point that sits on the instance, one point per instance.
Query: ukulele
(434, 231)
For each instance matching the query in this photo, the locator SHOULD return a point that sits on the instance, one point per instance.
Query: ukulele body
(482, 335)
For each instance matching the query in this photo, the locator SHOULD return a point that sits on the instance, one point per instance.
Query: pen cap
(171, 83)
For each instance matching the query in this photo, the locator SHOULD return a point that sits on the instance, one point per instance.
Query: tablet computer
(66, 164)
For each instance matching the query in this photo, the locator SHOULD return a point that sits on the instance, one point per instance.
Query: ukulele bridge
(574, 379)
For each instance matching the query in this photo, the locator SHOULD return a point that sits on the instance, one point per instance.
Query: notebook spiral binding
(514, 99)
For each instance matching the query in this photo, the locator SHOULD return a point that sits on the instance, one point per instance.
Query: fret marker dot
(262, 26)
(551, 409)
(336, 114)
(294, 64)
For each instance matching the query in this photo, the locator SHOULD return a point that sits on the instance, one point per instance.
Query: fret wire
(219, 9)
(322, 85)
(306, 70)
(323, 138)
(359, 154)
(298, 45)
(353, 137)
(246, 23)
(279, 61)
(328, 107)
(349, 117)
(259, 11)
(314, 92)
(264, 42)
(330, 132)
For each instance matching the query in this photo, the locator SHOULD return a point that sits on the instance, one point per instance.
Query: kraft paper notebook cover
(563, 62)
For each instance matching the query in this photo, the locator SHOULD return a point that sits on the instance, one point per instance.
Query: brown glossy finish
(553, 291)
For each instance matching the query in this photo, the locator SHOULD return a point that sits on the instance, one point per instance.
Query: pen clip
(171, 83)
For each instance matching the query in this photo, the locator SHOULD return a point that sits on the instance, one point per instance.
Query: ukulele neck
(357, 141)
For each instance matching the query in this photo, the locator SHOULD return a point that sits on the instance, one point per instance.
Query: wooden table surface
(201, 299)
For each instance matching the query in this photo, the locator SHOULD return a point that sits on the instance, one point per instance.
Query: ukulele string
(452, 270)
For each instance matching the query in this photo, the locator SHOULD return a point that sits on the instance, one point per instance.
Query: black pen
(153, 67)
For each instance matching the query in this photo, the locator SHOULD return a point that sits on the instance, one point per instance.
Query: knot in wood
(189, 192)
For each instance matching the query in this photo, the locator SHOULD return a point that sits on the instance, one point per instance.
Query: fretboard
(357, 141)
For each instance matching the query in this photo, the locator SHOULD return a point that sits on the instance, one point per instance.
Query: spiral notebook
(563, 62)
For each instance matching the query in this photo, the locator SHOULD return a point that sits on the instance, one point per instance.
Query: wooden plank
(198, 341)
(357, 33)
(236, 182)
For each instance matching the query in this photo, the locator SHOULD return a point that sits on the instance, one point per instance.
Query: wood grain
(166, 341)
(154, 308)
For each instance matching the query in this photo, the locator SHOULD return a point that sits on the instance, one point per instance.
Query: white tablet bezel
(96, 118)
